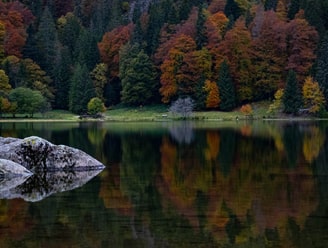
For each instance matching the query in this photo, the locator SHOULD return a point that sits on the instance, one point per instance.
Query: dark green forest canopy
(142, 52)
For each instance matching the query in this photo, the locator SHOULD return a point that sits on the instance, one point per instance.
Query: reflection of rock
(37, 154)
(9, 170)
(44, 184)
(12, 175)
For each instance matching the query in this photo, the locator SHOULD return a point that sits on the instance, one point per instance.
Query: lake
(180, 184)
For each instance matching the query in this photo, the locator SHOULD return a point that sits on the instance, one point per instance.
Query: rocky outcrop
(33, 168)
(37, 154)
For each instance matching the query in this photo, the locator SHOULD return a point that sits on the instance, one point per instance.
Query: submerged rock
(37, 154)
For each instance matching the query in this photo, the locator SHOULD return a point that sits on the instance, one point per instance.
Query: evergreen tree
(200, 28)
(86, 51)
(47, 41)
(226, 88)
(81, 90)
(69, 28)
(200, 95)
(270, 5)
(138, 79)
(62, 75)
(322, 68)
(232, 10)
(294, 7)
(292, 98)
(156, 21)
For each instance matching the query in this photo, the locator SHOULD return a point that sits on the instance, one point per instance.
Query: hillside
(223, 54)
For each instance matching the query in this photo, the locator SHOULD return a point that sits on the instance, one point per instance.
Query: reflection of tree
(292, 142)
(312, 143)
(182, 132)
(227, 150)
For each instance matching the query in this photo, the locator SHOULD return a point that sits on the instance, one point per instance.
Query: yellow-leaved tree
(312, 95)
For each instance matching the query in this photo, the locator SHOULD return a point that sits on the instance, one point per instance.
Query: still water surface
(260, 184)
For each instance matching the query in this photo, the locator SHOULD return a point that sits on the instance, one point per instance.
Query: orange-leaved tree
(172, 77)
(110, 45)
(236, 49)
(213, 96)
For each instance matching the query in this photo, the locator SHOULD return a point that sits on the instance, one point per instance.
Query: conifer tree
(200, 28)
(226, 88)
(86, 51)
(47, 41)
(62, 75)
(270, 4)
(292, 98)
(322, 68)
(81, 90)
(232, 10)
(294, 7)
(138, 79)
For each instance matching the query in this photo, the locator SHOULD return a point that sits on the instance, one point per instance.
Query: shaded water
(181, 185)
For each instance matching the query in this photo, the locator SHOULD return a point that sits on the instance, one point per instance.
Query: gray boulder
(37, 154)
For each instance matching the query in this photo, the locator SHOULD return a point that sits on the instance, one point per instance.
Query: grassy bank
(146, 113)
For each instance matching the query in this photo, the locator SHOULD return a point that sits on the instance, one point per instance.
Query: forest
(222, 54)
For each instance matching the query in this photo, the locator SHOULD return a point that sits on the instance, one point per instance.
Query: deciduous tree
(302, 41)
(213, 96)
(312, 95)
(110, 46)
(236, 49)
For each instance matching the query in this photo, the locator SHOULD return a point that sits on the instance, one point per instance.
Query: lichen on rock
(35, 154)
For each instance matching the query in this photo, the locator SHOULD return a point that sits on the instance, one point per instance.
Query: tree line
(220, 53)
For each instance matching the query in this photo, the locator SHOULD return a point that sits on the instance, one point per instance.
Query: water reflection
(43, 184)
(238, 185)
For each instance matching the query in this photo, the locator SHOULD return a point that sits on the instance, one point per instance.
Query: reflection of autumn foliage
(182, 177)
(213, 145)
(14, 222)
(312, 143)
(259, 191)
(111, 193)
(246, 130)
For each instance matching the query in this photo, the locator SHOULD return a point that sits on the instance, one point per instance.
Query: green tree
(232, 10)
(28, 101)
(47, 41)
(138, 79)
(292, 98)
(294, 7)
(321, 73)
(69, 28)
(270, 4)
(201, 38)
(226, 88)
(62, 74)
(81, 90)
(86, 51)
(96, 106)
